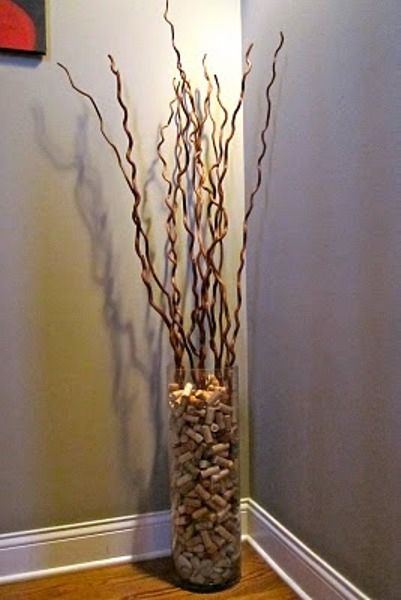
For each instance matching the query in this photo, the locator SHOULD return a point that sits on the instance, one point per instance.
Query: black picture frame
(23, 26)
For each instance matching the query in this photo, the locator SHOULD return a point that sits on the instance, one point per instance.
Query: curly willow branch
(184, 143)
(252, 199)
(171, 229)
(194, 198)
(223, 226)
(135, 215)
(101, 123)
(146, 264)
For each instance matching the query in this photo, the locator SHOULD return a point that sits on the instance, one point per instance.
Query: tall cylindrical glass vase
(204, 477)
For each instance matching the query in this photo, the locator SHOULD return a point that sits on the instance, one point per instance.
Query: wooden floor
(148, 580)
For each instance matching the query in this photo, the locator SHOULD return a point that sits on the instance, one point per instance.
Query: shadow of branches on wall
(136, 380)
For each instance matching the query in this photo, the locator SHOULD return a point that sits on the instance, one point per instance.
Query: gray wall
(324, 282)
(82, 428)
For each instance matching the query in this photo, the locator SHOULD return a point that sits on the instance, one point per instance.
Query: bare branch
(252, 198)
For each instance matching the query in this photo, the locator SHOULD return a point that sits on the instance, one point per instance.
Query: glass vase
(204, 477)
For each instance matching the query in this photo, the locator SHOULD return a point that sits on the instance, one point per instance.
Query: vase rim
(171, 366)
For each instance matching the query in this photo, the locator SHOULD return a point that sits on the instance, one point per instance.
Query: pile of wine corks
(205, 483)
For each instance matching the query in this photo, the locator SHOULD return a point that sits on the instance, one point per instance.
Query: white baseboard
(37, 553)
(303, 570)
(29, 554)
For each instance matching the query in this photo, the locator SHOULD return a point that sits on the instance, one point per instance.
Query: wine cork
(207, 542)
(196, 437)
(196, 539)
(225, 408)
(204, 494)
(224, 533)
(219, 418)
(194, 502)
(184, 564)
(228, 494)
(191, 418)
(219, 448)
(214, 470)
(223, 462)
(227, 422)
(222, 514)
(187, 390)
(207, 434)
(218, 501)
(209, 417)
(203, 525)
(188, 466)
(184, 457)
(201, 512)
(214, 397)
(189, 532)
(183, 480)
(219, 476)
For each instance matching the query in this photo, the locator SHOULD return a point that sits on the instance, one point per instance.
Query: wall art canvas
(23, 26)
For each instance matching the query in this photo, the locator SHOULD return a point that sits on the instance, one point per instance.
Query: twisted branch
(145, 263)
(252, 200)
(197, 190)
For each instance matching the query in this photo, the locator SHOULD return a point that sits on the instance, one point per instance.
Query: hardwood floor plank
(148, 580)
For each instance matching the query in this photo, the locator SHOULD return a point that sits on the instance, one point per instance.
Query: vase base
(205, 588)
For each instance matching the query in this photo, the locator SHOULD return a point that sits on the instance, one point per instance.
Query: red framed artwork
(23, 26)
